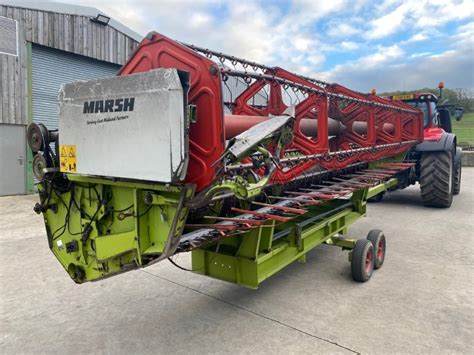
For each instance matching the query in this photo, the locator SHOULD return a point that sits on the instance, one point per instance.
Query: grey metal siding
(8, 36)
(50, 69)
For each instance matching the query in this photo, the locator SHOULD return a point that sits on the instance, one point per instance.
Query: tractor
(437, 158)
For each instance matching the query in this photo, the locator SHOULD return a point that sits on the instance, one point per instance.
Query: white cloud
(382, 56)
(144, 16)
(349, 46)
(453, 67)
(342, 30)
(422, 54)
(244, 33)
(418, 37)
(302, 42)
(464, 37)
(290, 36)
(200, 19)
(374, 61)
(467, 28)
(388, 24)
(419, 14)
(448, 53)
(316, 60)
(309, 10)
(444, 11)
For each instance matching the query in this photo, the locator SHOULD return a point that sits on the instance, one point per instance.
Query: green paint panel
(109, 246)
(100, 227)
(373, 191)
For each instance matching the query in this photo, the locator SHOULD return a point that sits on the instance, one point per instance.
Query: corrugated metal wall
(67, 68)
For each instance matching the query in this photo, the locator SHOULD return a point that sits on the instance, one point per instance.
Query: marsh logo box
(131, 126)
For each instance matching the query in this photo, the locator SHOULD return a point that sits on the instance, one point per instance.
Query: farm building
(42, 45)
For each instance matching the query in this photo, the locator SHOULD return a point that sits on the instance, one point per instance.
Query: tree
(465, 98)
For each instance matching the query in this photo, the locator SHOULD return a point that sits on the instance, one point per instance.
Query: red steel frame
(207, 139)
(206, 136)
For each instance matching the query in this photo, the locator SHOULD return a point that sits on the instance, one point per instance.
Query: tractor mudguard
(447, 142)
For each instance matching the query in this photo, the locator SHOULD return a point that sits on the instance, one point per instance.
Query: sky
(362, 44)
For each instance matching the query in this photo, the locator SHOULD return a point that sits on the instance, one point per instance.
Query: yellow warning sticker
(67, 158)
(403, 97)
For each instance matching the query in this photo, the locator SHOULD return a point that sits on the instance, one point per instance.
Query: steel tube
(236, 124)
(360, 127)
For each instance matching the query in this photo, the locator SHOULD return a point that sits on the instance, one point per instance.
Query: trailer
(154, 162)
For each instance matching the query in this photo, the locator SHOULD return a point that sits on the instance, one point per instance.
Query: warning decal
(68, 158)
(403, 97)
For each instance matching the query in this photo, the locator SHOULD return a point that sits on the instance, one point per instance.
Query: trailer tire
(377, 238)
(457, 177)
(436, 179)
(362, 263)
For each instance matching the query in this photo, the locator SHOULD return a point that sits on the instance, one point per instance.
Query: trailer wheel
(377, 238)
(362, 264)
(457, 177)
(436, 179)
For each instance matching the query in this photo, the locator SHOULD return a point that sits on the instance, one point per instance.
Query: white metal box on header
(131, 126)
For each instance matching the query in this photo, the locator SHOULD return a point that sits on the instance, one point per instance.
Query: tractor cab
(436, 114)
(426, 102)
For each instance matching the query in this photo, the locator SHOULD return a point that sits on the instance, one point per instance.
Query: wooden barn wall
(13, 85)
(70, 33)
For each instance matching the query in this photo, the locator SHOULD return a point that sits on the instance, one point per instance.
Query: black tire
(376, 198)
(457, 177)
(436, 180)
(362, 264)
(377, 238)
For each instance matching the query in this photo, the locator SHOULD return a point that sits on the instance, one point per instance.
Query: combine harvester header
(351, 116)
(169, 157)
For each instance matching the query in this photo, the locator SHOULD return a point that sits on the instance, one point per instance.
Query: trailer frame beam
(250, 258)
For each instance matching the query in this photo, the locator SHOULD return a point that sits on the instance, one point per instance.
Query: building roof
(71, 9)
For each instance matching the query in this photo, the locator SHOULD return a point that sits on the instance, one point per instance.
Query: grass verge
(464, 129)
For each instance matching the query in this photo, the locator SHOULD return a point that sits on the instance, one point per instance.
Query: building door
(12, 160)
(50, 69)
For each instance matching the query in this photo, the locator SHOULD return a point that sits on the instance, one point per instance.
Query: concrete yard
(420, 301)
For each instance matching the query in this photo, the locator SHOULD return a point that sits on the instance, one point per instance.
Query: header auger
(248, 166)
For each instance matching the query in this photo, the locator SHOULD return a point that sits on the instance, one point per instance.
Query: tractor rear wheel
(362, 263)
(436, 180)
(457, 177)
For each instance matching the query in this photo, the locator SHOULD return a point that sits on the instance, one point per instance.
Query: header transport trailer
(167, 157)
